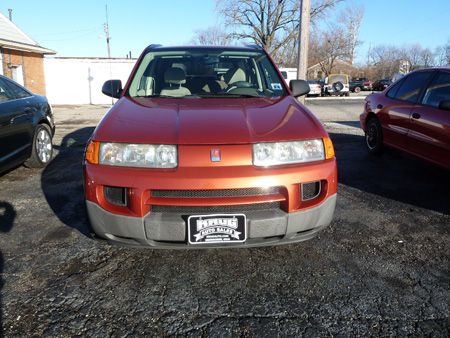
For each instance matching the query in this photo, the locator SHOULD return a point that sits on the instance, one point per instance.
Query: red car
(207, 147)
(412, 115)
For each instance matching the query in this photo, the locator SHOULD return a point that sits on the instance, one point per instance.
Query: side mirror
(444, 105)
(112, 88)
(299, 87)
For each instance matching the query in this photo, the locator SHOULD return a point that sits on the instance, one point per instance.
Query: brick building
(21, 58)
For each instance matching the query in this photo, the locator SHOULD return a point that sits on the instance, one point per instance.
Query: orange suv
(208, 147)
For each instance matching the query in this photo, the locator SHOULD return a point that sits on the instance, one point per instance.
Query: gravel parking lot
(381, 268)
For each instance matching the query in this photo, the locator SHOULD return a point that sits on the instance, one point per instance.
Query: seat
(233, 75)
(175, 77)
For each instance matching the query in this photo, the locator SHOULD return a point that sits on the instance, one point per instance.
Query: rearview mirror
(444, 105)
(112, 88)
(299, 87)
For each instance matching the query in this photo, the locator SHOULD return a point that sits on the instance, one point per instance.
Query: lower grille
(215, 193)
(310, 190)
(189, 210)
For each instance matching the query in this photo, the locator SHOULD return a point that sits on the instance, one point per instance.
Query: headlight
(138, 155)
(267, 154)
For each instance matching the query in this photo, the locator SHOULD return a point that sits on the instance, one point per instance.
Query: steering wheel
(240, 84)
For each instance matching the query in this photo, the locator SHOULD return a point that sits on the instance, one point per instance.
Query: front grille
(191, 210)
(216, 193)
(310, 190)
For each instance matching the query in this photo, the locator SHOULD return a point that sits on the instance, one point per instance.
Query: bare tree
(212, 36)
(442, 55)
(427, 58)
(412, 53)
(384, 60)
(338, 40)
(269, 23)
(350, 18)
(333, 44)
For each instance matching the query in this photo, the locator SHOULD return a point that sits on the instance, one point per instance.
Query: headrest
(234, 75)
(175, 76)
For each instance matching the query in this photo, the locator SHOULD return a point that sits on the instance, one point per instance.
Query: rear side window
(5, 92)
(410, 88)
(18, 91)
(438, 91)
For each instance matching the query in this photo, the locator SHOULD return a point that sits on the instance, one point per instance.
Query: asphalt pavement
(380, 269)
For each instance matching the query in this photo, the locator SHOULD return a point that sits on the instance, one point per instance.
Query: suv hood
(190, 121)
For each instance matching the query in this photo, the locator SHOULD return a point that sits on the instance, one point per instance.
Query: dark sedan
(381, 85)
(26, 127)
(412, 115)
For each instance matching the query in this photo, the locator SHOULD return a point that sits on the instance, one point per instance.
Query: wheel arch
(43, 120)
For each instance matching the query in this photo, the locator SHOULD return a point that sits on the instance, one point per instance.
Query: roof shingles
(13, 37)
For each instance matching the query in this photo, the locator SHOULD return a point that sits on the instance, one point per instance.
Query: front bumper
(163, 230)
(331, 91)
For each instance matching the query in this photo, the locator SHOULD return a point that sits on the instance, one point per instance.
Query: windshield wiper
(211, 96)
(243, 95)
(169, 96)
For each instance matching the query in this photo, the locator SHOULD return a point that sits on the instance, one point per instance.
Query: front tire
(374, 136)
(42, 149)
(357, 89)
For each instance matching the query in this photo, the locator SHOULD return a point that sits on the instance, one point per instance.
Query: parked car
(289, 74)
(26, 127)
(190, 158)
(315, 88)
(360, 83)
(336, 84)
(381, 85)
(413, 115)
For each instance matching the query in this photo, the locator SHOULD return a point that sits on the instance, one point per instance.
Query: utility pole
(10, 14)
(107, 33)
(303, 39)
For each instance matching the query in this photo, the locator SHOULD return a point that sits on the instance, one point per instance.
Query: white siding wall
(80, 81)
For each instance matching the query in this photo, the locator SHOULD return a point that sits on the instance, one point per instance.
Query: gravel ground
(381, 268)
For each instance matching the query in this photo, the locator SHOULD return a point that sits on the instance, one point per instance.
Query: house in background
(21, 58)
(316, 72)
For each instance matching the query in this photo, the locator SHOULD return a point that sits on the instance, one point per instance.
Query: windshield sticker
(276, 86)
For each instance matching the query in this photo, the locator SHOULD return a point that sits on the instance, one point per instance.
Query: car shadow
(7, 217)
(392, 174)
(62, 181)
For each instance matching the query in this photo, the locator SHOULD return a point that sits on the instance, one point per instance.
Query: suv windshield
(206, 72)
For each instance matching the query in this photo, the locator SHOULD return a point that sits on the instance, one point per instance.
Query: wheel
(357, 89)
(338, 86)
(347, 94)
(42, 149)
(374, 136)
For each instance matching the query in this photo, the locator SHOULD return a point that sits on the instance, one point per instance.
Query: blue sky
(75, 28)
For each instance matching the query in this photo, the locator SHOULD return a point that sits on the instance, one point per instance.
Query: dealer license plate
(221, 228)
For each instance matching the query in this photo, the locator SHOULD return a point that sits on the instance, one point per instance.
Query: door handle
(380, 106)
(416, 116)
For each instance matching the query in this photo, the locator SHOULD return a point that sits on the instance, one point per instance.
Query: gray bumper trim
(163, 230)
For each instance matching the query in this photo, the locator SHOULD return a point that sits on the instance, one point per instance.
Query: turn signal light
(91, 155)
(329, 149)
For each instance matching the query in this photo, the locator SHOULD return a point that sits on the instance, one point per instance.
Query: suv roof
(246, 47)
